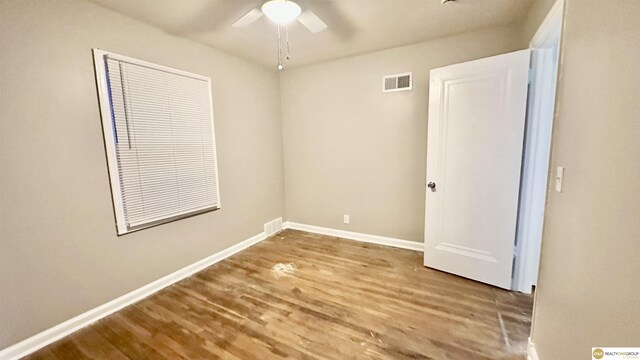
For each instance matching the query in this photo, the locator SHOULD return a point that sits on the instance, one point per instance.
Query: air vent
(273, 227)
(397, 82)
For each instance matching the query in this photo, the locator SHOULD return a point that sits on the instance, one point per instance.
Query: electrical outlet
(345, 218)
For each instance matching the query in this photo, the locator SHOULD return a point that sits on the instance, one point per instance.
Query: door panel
(475, 136)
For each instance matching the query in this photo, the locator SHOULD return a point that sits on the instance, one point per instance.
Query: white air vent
(397, 82)
(273, 227)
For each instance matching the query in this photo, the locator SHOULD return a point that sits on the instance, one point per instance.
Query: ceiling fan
(282, 12)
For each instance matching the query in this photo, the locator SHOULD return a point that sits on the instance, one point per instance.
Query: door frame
(544, 47)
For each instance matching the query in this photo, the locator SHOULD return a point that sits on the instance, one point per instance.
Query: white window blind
(158, 127)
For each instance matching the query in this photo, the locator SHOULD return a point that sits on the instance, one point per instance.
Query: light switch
(559, 176)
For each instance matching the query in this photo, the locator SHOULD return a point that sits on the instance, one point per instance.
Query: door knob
(431, 185)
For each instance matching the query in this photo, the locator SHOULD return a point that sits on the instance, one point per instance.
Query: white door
(474, 153)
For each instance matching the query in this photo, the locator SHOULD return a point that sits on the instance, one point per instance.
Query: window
(159, 138)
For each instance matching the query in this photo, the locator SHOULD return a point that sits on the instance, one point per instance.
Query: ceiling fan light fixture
(281, 11)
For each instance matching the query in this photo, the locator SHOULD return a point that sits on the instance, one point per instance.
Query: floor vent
(397, 82)
(273, 227)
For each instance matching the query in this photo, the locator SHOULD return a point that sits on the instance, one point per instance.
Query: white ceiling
(355, 26)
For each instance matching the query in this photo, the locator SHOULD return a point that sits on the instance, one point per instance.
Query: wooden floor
(328, 299)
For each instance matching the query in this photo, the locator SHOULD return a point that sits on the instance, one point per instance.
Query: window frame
(104, 97)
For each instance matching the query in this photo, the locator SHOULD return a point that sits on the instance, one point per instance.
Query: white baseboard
(61, 330)
(532, 354)
(373, 239)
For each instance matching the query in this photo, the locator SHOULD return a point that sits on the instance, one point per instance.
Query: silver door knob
(431, 185)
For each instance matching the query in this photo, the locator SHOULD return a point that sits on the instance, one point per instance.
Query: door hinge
(530, 76)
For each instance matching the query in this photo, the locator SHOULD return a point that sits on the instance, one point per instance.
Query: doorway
(544, 49)
(485, 208)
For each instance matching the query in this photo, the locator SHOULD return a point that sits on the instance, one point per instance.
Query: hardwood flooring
(326, 298)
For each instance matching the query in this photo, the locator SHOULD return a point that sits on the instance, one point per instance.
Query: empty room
(319, 179)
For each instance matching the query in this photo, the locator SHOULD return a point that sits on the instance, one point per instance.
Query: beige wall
(538, 11)
(350, 149)
(59, 254)
(590, 270)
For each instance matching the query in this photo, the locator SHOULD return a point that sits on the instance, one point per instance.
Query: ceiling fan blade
(311, 21)
(248, 18)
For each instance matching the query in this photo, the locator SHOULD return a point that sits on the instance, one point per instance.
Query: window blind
(163, 139)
